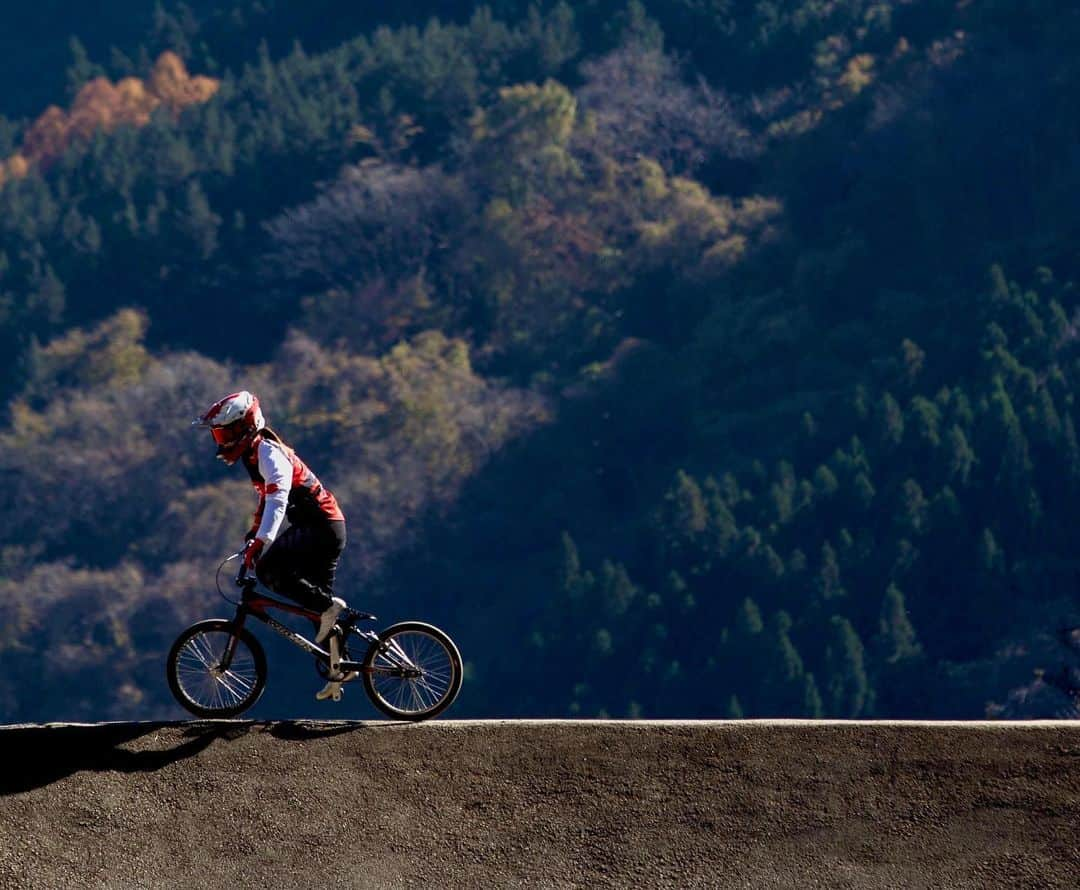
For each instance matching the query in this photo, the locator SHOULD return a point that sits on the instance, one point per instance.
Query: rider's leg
(332, 689)
(320, 568)
(301, 564)
(279, 566)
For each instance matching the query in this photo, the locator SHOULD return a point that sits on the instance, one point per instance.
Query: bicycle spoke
(413, 672)
(200, 649)
(200, 678)
(234, 684)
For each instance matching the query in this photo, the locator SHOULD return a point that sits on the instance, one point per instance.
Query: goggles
(228, 434)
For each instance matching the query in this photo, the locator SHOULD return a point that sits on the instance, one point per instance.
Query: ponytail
(270, 434)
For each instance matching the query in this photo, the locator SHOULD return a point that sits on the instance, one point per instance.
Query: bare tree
(638, 103)
(377, 220)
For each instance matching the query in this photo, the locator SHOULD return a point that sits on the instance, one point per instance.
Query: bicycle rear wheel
(196, 676)
(413, 672)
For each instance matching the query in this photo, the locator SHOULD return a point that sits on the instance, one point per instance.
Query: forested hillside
(680, 358)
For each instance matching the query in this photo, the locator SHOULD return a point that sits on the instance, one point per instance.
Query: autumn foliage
(103, 105)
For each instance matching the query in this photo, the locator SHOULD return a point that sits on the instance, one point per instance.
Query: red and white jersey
(286, 486)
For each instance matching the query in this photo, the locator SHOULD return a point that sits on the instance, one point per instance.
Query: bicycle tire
(191, 672)
(419, 646)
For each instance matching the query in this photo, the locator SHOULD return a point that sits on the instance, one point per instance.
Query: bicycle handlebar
(242, 574)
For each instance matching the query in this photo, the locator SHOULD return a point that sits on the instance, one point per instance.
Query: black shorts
(302, 563)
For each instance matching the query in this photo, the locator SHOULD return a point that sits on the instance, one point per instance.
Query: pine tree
(81, 70)
(734, 710)
(890, 423)
(1070, 452)
(199, 222)
(1014, 467)
(783, 686)
(828, 584)
(570, 579)
(684, 519)
(849, 693)
(825, 483)
(912, 358)
(958, 455)
(616, 588)
(748, 621)
(47, 297)
(923, 421)
(686, 507)
(811, 699)
(911, 513)
(720, 529)
(990, 558)
(782, 493)
(788, 661)
(896, 635)
(864, 491)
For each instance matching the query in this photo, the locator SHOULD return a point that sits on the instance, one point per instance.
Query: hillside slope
(548, 804)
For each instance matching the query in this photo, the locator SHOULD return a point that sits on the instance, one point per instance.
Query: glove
(252, 551)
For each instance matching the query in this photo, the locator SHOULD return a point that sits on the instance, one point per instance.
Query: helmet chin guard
(234, 422)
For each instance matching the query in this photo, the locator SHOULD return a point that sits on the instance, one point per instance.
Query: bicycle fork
(234, 637)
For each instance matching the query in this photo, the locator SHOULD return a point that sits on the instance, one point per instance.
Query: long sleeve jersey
(277, 472)
(286, 485)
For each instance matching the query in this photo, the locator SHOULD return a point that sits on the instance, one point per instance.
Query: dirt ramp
(540, 804)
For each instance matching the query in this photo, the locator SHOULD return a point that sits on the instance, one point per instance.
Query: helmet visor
(228, 434)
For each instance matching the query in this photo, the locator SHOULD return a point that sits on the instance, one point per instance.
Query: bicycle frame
(257, 605)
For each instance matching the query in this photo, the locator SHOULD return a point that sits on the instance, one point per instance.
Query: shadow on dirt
(302, 731)
(36, 756)
(40, 755)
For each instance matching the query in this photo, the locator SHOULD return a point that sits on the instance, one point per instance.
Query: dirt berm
(236, 804)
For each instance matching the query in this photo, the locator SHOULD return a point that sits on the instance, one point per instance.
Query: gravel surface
(547, 804)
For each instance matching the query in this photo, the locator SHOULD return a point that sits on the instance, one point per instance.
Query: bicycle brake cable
(217, 579)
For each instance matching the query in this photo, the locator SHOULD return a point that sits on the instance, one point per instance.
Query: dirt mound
(235, 804)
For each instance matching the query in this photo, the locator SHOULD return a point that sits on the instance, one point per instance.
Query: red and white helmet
(234, 422)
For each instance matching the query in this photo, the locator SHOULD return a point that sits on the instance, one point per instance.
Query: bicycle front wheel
(199, 677)
(413, 671)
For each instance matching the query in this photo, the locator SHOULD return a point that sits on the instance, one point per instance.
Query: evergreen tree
(828, 584)
(811, 702)
(896, 635)
(685, 517)
(570, 580)
(199, 222)
(849, 693)
(889, 422)
(959, 455)
(734, 710)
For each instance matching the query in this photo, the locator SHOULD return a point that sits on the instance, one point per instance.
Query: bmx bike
(217, 667)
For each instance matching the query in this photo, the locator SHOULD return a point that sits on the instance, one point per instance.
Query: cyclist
(300, 560)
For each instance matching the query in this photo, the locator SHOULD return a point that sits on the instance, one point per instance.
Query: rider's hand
(252, 551)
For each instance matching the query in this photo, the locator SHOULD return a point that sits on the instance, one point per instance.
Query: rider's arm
(276, 470)
(253, 532)
(257, 518)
